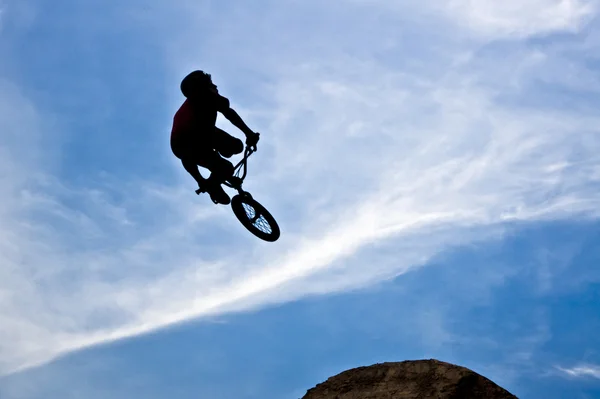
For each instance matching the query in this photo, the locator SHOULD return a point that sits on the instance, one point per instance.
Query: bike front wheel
(255, 217)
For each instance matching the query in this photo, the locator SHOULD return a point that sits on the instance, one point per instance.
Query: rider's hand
(252, 139)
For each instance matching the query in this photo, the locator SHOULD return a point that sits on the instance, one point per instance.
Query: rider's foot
(202, 185)
(218, 195)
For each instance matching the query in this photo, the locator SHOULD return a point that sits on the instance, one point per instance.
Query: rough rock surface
(419, 379)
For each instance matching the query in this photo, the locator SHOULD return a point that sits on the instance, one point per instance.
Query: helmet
(196, 82)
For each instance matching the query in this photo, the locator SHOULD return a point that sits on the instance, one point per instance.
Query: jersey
(197, 118)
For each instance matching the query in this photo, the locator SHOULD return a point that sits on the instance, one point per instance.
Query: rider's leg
(213, 162)
(221, 169)
(185, 150)
(194, 153)
(191, 167)
(226, 144)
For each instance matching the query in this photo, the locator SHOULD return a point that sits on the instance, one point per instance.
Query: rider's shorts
(202, 145)
(207, 150)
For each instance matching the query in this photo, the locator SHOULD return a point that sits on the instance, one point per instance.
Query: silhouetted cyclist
(197, 141)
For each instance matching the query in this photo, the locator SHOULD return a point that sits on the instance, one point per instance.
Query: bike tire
(240, 204)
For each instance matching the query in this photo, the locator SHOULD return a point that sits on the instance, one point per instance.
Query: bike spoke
(257, 219)
(249, 214)
(266, 227)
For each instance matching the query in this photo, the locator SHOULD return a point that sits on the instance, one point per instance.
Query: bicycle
(253, 216)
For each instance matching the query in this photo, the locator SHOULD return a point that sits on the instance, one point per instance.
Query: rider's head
(196, 83)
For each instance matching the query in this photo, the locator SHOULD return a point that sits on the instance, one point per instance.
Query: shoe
(218, 195)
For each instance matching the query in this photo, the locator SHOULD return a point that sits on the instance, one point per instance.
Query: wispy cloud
(518, 19)
(358, 150)
(589, 370)
(511, 19)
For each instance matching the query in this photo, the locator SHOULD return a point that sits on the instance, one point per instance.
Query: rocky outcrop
(419, 379)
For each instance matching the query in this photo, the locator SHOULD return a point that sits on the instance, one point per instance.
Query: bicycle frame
(242, 166)
(240, 202)
(236, 180)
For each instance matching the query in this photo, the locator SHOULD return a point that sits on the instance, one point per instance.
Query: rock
(419, 379)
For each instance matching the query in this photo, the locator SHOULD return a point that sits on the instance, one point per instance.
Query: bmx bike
(253, 216)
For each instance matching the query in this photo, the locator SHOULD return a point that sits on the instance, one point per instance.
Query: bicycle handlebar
(253, 148)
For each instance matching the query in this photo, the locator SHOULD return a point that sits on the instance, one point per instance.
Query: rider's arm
(233, 116)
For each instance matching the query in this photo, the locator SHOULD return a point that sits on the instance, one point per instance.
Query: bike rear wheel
(255, 217)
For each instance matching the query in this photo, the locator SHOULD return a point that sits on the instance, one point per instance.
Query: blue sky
(434, 170)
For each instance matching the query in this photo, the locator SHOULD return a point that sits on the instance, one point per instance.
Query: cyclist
(195, 139)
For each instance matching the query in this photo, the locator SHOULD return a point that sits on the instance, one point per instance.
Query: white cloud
(364, 151)
(490, 19)
(589, 370)
(514, 18)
